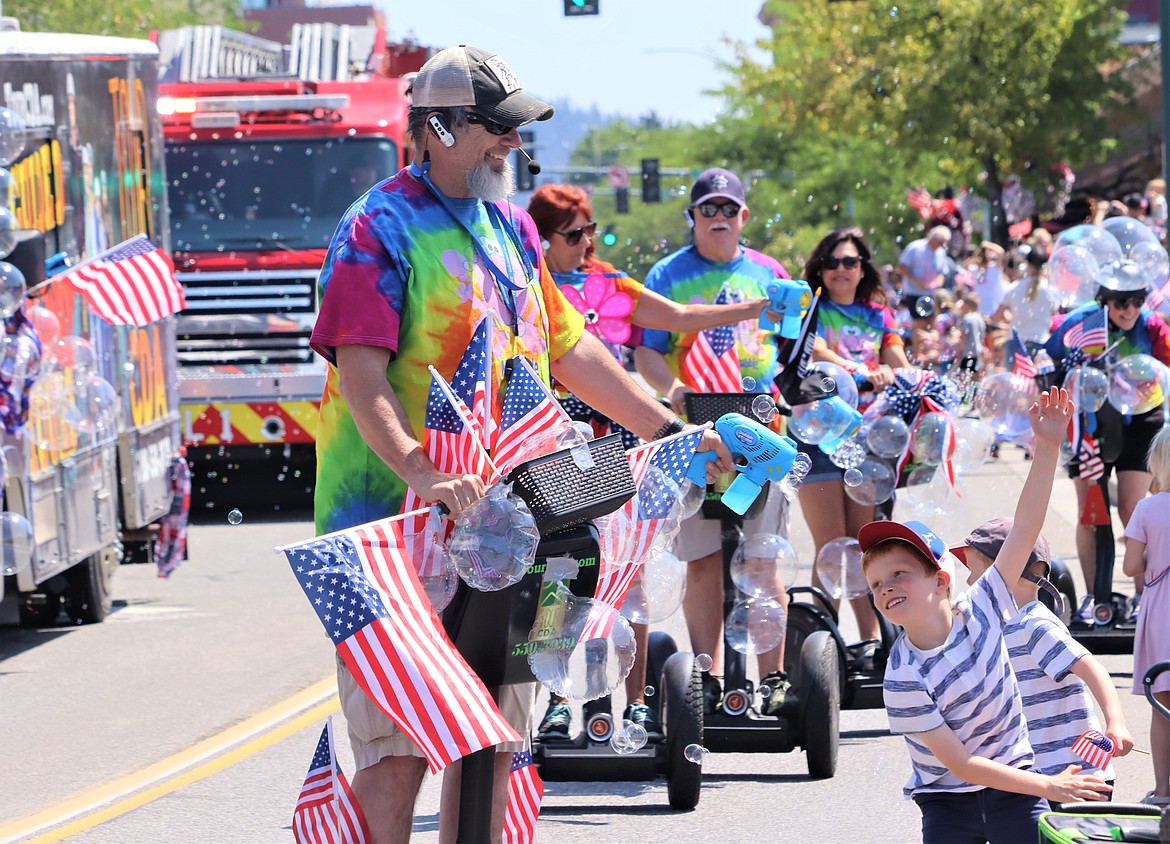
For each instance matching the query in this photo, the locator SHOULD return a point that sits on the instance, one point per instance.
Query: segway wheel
(682, 701)
(820, 696)
(659, 648)
(803, 621)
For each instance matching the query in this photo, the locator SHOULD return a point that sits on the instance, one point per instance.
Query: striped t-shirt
(965, 684)
(1056, 702)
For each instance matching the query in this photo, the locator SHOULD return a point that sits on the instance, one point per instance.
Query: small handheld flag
(1094, 748)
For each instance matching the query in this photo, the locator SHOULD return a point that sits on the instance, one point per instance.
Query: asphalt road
(207, 674)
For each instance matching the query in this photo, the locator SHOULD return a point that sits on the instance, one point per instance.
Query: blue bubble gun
(789, 297)
(761, 455)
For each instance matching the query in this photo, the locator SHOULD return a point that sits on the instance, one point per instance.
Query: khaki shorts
(373, 736)
(700, 537)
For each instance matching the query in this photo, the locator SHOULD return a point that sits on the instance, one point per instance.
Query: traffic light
(622, 197)
(525, 180)
(651, 187)
(576, 8)
(608, 237)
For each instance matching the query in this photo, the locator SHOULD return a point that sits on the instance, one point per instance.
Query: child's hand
(1051, 415)
(1070, 787)
(1122, 740)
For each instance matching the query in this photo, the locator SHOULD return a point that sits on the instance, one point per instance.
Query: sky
(636, 56)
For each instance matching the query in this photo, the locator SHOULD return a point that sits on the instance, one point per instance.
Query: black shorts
(1128, 444)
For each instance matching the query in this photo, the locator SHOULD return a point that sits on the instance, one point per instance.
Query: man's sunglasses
(489, 126)
(1127, 302)
(573, 236)
(710, 209)
(849, 262)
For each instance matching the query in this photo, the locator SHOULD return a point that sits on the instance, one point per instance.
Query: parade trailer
(267, 145)
(91, 425)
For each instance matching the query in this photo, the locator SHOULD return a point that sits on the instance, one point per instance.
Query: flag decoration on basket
(449, 440)
(131, 284)
(473, 378)
(1090, 335)
(525, 791)
(711, 365)
(644, 516)
(1023, 366)
(530, 410)
(914, 393)
(327, 811)
(363, 587)
(1094, 748)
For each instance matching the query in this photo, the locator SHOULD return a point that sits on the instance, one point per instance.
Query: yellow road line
(209, 756)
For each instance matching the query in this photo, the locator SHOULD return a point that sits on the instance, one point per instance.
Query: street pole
(1163, 45)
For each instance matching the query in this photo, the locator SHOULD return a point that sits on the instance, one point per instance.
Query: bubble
(440, 588)
(749, 384)
(16, 543)
(875, 482)
(930, 436)
(98, 408)
(8, 227)
(1004, 401)
(1072, 275)
(45, 324)
(837, 378)
(648, 691)
(1088, 387)
(703, 662)
(838, 567)
(801, 463)
(12, 287)
(1137, 384)
(853, 477)
(888, 437)
(658, 591)
(1154, 262)
(628, 738)
(75, 353)
(20, 360)
(848, 454)
(763, 408)
(1100, 243)
(582, 670)
(755, 625)
(762, 565)
(235, 517)
(690, 499)
(494, 540)
(822, 421)
(1128, 232)
(13, 136)
(973, 440)
(695, 753)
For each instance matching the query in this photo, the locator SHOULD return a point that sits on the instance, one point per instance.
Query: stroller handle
(1148, 686)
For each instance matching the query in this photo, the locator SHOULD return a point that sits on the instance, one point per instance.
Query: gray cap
(474, 78)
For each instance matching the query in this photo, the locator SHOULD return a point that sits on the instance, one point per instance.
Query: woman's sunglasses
(489, 126)
(849, 262)
(710, 209)
(1127, 302)
(573, 236)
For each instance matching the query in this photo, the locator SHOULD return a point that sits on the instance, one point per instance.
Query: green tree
(127, 18)
(976, 89)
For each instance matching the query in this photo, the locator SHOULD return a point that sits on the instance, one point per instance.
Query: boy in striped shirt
(949, 687)
(1055, 673)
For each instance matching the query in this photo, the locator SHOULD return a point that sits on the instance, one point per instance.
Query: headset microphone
(533, 166)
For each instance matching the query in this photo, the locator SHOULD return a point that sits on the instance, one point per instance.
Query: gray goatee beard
(488, 184)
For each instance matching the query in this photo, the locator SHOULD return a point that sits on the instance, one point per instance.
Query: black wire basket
(563, 490)
(707, 407)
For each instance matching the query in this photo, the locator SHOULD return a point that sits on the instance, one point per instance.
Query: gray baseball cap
(479, 80)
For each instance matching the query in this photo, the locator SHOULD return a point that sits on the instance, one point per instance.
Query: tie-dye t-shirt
(689, 278)
(858, 331)
(1149, 336)
(601, 300)
(402, 274)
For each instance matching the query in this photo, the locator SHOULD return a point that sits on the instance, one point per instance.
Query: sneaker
(1134, 610)
(781, 699)
(642, 714)
(712, 694)
(1152, 799)
(1084, 614)
(556, 720)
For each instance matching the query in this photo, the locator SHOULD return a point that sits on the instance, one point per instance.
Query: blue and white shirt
(1057, 704)
(965, 684)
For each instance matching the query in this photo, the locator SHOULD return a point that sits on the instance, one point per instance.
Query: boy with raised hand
(949, 687)
(1055, 673)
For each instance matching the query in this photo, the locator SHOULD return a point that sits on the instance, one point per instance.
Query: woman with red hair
(616, 308)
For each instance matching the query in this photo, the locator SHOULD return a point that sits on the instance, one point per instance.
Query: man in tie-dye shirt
(406, 281)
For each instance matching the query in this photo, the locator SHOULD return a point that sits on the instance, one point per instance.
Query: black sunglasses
(1128, 302)
(849, 262)
(710, 209)
(573, 236)
(489, 126)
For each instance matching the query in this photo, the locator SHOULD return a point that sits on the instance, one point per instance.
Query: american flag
(362, 585)
(525, 791)
(1024, 366)
(131, 284)
(530, 409)
(327, 812)
(1095, 749)
(451, 444)
(1089, 333)
(1091, 467)
(170, 544)
(711, 365)
(473, 378)
(644, 515)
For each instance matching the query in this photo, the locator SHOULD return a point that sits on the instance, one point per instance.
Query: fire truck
(84, 159)
(266, 146)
